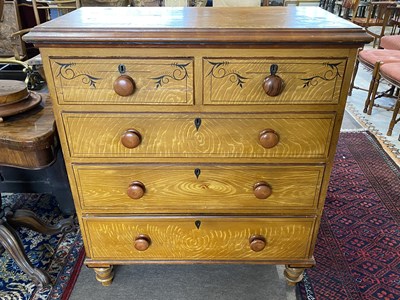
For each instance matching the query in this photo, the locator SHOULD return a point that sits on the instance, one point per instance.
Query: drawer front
(91, 80)
(198, 238)
(197, 188)
(183, 135)
(240, 81)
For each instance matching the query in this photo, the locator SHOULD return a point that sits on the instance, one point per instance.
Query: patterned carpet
(358, 247)
(61, 255)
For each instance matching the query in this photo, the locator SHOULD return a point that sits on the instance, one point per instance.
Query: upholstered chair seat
(371, 56)
(390, 42)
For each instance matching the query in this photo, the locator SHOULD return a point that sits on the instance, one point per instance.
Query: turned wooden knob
(124, 85)
(136, 190)
(262, 190)
(257, 243)
(131, 138)
(142, 242)
(268, 138)
(273, 84)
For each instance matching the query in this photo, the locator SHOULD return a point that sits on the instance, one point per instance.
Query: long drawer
(203, 188)
(92, 135)
(155, 81)
(198, 238)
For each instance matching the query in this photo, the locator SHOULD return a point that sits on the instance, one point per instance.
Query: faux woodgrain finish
(199, 160)
(177, 188)
(240, 81)
(216, 238)
(175, 135)
(91, 80)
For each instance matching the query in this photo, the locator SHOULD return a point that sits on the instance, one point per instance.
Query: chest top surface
(162, 25)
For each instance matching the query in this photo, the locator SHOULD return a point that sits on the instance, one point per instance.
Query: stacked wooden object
(15, 98)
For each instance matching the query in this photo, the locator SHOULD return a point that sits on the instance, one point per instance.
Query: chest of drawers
(199, 135)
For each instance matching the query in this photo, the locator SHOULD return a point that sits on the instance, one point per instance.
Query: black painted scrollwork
(67, 72)
(329, 75)
(218, 71)
(180, 73)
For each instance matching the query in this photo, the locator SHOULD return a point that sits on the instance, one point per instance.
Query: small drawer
(198, 238)
(111, 81)
(200, 188)
(145, 135)
(240, 81)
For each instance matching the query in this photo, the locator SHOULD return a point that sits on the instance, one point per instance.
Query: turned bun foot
(293, 275)
(104, 275)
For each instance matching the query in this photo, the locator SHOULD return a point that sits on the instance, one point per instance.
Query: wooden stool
(27, 140)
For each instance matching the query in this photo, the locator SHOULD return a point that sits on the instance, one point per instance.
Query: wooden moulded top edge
(198, 26)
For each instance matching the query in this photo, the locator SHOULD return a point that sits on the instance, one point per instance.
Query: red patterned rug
(358, 246)
(61, 255)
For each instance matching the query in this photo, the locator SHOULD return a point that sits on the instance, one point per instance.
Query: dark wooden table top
(27, 140)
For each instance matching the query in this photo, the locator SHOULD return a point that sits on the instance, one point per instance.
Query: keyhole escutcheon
(197, 123)
(121, 69)
(197, 223)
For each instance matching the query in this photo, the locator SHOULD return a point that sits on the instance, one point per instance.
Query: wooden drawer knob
(136, 190)
(131, 138)
(124, 86)
(262, 190)
(268, 138)
(273, 84)
(142, 242)
(257, 243)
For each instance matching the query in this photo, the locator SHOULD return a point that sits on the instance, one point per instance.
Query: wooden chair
(390, 72)
(395, 21)
(12, 46)
(112, 3)
(378, 14)
(243, 3)
(13, 51)
(390, 42)
(299, 2)
(351, 8)
(372, 60)
(141, 3)
(59, 6)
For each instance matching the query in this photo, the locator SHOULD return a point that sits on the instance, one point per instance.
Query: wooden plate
(12, 91)
(21, 106)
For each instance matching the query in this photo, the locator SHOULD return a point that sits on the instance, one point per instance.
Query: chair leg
(373, 88)
(353, 78)
(394, 119)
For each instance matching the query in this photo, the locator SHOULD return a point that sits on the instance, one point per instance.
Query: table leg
(29, 219)
(11, 242)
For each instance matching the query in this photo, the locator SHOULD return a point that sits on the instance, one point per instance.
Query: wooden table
(28, 141)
